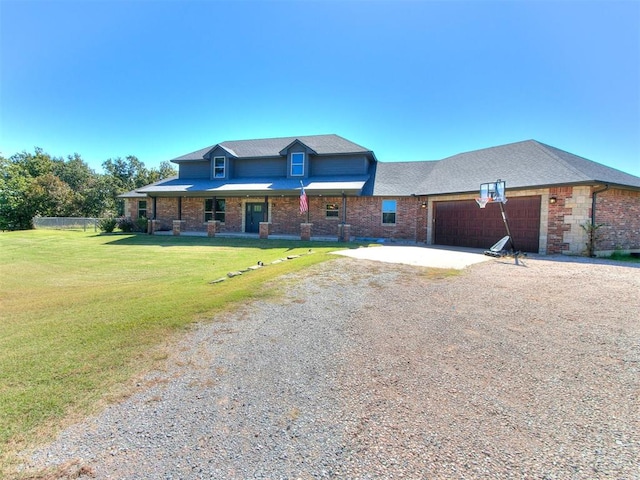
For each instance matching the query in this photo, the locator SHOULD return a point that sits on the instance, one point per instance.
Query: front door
(253, 217)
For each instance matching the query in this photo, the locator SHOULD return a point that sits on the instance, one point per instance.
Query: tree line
(37, 184)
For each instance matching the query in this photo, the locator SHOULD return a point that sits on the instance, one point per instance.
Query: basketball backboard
(492, 192)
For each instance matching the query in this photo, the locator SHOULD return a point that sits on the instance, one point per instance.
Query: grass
(83, 313)
(624, 257)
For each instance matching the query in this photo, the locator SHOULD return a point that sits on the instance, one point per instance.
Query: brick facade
(619, 213)
(557, 226)
(561, 221)
(131, 207)
(364, 214)
(167, 212)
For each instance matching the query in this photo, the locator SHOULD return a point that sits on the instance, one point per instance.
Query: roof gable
(272, 147)
(297, 141)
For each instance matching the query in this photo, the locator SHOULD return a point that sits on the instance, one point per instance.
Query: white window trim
(146, 204)
(332, 217)
(291, 164)
(394, 211)
(224, 167)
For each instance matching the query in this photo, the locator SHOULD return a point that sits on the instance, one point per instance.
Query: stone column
(344, 232)
(153, 226)
(265, 228)
(305, 231)
(213, 227)
(177, 227)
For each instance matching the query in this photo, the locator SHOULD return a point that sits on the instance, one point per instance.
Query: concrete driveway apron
(434, 257)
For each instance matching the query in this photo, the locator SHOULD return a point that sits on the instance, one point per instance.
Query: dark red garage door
(462, 223)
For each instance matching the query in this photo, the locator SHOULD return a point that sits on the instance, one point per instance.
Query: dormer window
(297, 164)
(218, 167)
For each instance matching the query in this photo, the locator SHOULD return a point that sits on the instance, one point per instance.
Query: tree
(15, 211)
(50, 197)
(128, 173)
(34, 165)
(74, 172)
(37, 184)
(100, 198)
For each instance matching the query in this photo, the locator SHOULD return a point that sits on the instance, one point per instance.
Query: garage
(462, 223)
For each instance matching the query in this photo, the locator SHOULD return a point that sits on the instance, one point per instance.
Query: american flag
(304, 204)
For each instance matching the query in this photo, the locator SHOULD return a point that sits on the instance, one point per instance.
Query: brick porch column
(154, 226)
(213, 227)
(305, 231)
(177, 227)
(344, 232)
(265, 229)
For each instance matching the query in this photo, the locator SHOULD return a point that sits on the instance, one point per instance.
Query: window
(210, 213)
(388, 212)
(332, 210)
(297, 164)
(142, 208)
(218, 167)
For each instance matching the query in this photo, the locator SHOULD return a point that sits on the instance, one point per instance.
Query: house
(254, 187)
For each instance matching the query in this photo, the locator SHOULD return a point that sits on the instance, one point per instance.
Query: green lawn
(81, 313)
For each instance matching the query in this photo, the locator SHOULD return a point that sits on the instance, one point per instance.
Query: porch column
(305, 231)
(344, 208)
(265, 227)
(265, 209)
(344, 232)
(213, 226)
(177, 227)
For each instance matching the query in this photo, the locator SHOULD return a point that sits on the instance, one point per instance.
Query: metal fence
(62, 223)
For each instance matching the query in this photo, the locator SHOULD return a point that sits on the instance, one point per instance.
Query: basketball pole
(506, 224)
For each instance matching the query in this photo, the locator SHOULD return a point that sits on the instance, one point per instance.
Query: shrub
(126, 224)
(141, 224)
(107, 225)
(592, 236)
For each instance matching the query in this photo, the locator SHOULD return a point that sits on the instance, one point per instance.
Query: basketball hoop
(482, 201)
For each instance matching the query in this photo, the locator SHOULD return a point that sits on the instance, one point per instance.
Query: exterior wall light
(553, 200)
(424, 205)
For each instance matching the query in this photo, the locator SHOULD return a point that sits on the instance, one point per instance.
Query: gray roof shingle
(271, 147)
(398, 178)
(526, 164)
(325, 185)
(522, 164)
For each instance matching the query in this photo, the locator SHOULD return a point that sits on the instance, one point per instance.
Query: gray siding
(339, 165)
(260, 167)
(195, 169)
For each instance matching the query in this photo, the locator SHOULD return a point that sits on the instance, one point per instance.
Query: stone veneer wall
(571, 211)
(619, 213)
(131, 207)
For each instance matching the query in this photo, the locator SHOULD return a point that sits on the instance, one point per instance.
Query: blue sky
(411, 80)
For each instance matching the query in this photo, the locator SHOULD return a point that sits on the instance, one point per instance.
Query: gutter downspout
(592, 230)
(593, 203)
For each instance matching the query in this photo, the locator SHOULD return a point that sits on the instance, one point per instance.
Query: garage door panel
(462, 223)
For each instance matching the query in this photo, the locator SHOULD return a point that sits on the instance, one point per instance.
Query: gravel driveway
(368, 370)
